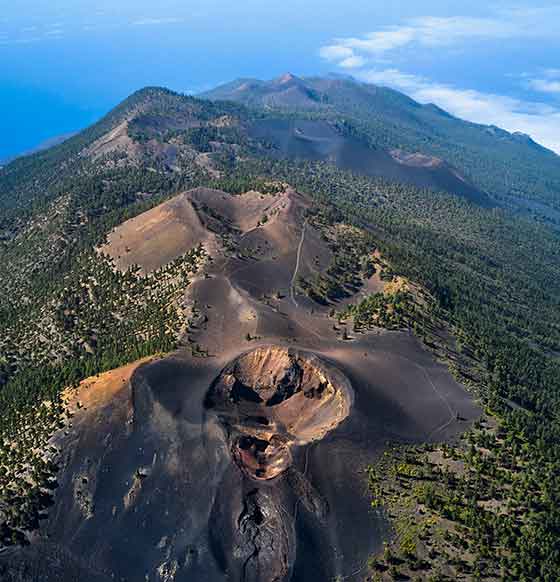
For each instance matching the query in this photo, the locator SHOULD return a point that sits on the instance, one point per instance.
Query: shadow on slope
(319, 141)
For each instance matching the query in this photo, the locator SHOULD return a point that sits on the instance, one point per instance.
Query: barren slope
(318, 141)
(241, 456)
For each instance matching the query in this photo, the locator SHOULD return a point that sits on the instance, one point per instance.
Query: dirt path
(298, 258)
(452, 413)
(440, 395)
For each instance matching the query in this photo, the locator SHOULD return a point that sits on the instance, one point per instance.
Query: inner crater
(274, 398)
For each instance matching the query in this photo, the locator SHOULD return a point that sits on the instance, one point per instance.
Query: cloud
(27, 40)
(352, 62)
(437, 32)
(156, 21)
(335, 53)
(545, 85)
(395, 78)
(539, 120)
(547, 82)
(33, 35)
(54, 32)
(383, 41)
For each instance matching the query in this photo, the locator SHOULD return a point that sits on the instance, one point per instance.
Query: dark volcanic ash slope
(247, 464)
(318, 141)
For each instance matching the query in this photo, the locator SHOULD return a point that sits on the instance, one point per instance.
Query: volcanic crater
(242, 455)
(274, 398)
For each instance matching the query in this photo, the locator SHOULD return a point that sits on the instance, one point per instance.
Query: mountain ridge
(146, 116)
(242, 85)
(262, 276)
(506, 165)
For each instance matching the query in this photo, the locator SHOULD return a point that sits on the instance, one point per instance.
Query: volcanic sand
(317, 140)
(158, 483)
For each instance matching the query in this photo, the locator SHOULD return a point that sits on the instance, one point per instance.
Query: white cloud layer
(545, 85)
(56, 31)
(547, 82)
(432, 31)
(352, 62)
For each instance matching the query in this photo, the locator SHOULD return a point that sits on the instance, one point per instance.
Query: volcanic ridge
(241, 456)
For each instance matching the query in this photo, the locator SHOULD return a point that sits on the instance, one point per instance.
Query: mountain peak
(286, 78)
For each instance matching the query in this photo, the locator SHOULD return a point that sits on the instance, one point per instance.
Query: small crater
(274, 398)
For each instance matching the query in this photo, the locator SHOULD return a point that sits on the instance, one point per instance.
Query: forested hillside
(495, 277)
(510, 167)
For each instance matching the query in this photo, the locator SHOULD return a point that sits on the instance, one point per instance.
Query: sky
(65, 63)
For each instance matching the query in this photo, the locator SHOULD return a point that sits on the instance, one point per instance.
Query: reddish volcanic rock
(274, 398)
